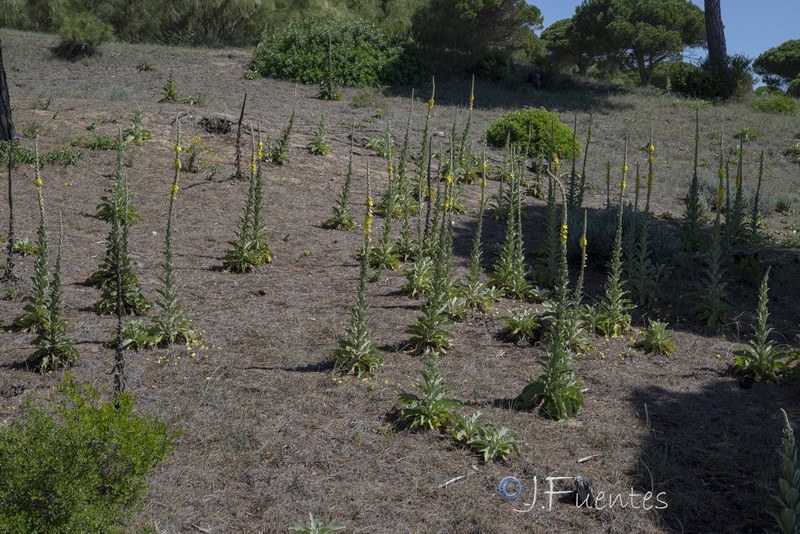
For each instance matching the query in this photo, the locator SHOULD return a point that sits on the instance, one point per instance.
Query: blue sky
(750, 27)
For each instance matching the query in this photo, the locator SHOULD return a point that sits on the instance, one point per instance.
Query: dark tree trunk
(6, 124)
(715, 32)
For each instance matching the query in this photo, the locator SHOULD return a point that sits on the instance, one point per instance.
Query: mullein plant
(422, 188)
(55, 350)
(342, 220)
(250, 248)
(690, 234)
(356, 353)
(383, 256)
(546, 270)
(172, 326)
(428, 332)
(787, 511)
(318, 145)
(36, 312)
(577, 185)
(574, 331)
(405, 245)
(277, 153)
(613, 319)
(755, 217)
(557, 391)
(735, 229)
(327, 88)
(711, 305)
(474, 290)
(642, 272)
(762, 359)
(510, 272)
(116, 265)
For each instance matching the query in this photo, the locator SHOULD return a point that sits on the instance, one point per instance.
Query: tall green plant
(55, 350)
(116, 265)
(355, 352)
(613, 319)
(690, 234)
(557, 390)
(172, 326)
(341, 219)
(250, 248)
(787, 511)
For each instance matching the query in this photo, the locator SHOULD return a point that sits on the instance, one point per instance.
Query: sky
(751, 28)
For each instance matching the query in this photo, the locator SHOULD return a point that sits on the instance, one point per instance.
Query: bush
(364, 55)
(775, 104)
(493, 64)
(81, 34)
(76, 464)
(711, 81)
(793, 89)
(534, 132)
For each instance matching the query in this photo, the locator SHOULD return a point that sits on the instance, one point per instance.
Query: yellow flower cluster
(174, 190)
(369, 202)
(260, 151)
(448, 178)
(471, 100)
(368, 223)
(483, 182)
(430, 104)
(720, 172)
(178, 148)
(624, 168)
(623, 184)
(564, 232)
(721, 193)
(389, 169)
(582, 242)
(650, 147)
(178, 163)
(37, 182)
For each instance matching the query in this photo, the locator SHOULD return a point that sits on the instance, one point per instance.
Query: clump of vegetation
(521, 324)
(355, 352)
(657, 338)
(534, 132)
(364, 55)
(316, 527)
(81, 34)
(341, 219)
(432, 409)
(318, 145)
(277, 152)
(761, 359)
(775, 104)
(787, 511)
(250, 248)
(75, 464)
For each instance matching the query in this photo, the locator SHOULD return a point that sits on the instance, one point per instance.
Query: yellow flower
(582, 242)
(389, 168)
(564, 232)
(721, 193)
(448, 178)
(650, 159)
(178, 148)
(430, 104)
(623, 184)
(178, 164)
(37, 182)
(484, 166)
(260, 151)
(174, 190)
(369, 201)
(650, 147)
(624, 168)
(483, 182)
(368, 224)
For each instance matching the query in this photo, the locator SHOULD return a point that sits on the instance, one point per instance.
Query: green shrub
(534, 132)
(75, 464)
(793, 89)
(364, 55)
(711, 81)
(493, 64)
(775, 104)
(81, 34)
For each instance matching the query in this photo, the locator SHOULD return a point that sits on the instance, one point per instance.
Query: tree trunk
(715, 32)
(6, 124)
